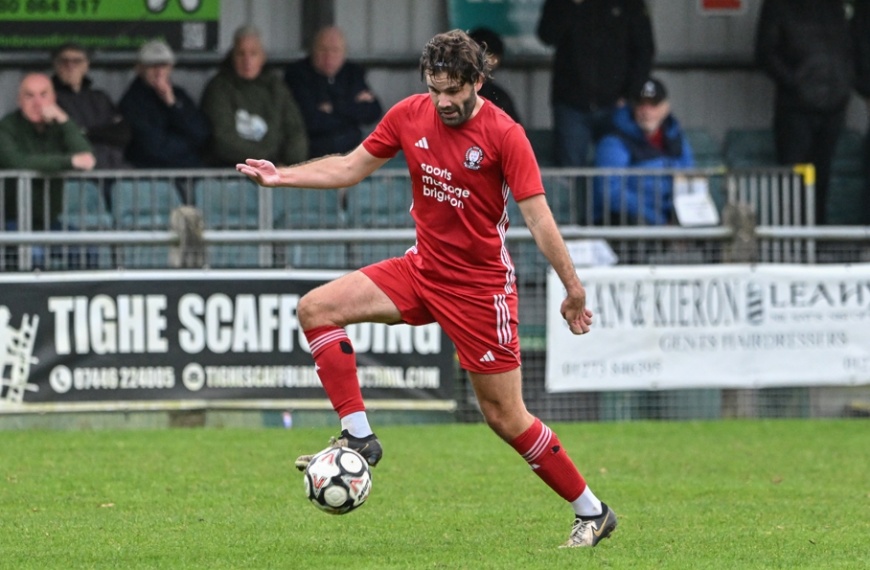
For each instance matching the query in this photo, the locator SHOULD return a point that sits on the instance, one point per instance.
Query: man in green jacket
(40, 136)
(251, 110)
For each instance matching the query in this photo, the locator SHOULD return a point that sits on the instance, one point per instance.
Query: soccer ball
(338, 480)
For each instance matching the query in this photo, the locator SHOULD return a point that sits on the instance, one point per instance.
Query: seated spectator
(91, 109)
(491, 90)
(169, 131)
(40, 136)
(333, 95)
(252, 112)
(646, 135)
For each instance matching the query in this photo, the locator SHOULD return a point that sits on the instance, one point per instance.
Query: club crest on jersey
(473, 158)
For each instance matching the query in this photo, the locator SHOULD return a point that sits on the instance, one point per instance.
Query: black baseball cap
(652, 90)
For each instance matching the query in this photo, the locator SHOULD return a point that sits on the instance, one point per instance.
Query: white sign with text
(727, 326)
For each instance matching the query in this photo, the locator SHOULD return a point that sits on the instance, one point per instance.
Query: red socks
(540, 447)
(335, 363)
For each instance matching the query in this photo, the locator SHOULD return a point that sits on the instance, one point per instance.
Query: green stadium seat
(847, 200)
(748, 148)
(705, 149)
(849, 154)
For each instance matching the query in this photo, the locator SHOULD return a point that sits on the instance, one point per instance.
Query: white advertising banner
(726, 326)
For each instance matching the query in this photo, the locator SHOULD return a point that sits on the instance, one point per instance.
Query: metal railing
(124, 219)
(106, 219)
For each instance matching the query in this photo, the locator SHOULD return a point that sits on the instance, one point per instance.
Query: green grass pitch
(732, 494)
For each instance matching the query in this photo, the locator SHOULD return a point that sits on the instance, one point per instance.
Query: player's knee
(506, 423)
(307, 312)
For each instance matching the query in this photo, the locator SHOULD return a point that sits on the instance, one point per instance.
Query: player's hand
(577, 315)
(262, 172)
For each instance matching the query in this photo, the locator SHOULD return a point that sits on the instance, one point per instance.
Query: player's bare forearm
(543, 227)
(334, 171)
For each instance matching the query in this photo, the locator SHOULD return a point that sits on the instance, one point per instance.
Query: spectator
(91, 109)
(40, 136)
(332, 94)
(645, 135)
(252, 112)
(806, 49)
(491, 90)
(168, 129)
(604, 53)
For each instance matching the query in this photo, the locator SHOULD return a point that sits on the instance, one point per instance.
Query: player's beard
(459, 113)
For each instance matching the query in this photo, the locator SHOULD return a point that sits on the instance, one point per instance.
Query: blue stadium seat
(83, 205)
(144, 204)
(143, 256)
(304, 209)
(380, 202)
(229, 204)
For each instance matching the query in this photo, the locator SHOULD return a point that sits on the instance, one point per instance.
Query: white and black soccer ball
(338, 480)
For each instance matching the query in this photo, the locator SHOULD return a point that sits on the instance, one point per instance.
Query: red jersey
(461, 179)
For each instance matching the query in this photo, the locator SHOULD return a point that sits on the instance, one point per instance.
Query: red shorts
(483, 327)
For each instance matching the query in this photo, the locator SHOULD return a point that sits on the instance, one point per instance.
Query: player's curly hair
(455, 53)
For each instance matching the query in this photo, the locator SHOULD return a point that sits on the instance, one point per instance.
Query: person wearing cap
(645, 135)
(332, 93)
(169, 131)
(251, 110)
(604, 52)
(492, 91)
(91, 109)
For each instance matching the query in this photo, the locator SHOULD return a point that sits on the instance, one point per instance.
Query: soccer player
(466, 158)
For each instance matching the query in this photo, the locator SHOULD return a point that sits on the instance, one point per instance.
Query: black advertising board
(192, 335)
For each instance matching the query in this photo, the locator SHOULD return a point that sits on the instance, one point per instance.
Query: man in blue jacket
(646, 135)
(332, 93)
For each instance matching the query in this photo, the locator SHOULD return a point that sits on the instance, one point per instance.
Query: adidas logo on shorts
(488, 357)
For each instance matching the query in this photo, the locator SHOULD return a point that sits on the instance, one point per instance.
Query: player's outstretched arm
(539, 220)
(333, 171)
